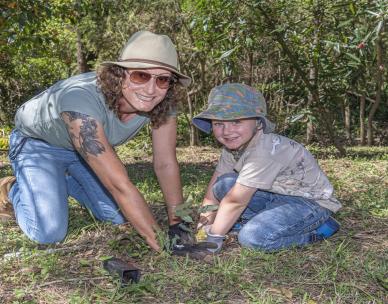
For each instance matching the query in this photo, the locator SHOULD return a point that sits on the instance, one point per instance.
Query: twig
(359, 95)
(71, 280)
(17, 254)
(329, 283)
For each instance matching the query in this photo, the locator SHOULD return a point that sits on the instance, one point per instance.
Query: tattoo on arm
(87, 137)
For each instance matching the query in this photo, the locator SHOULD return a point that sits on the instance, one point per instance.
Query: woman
(63, 143)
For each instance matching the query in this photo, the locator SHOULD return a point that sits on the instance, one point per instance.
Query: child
(268, 188)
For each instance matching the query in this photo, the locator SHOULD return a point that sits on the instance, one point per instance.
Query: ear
(259, 124)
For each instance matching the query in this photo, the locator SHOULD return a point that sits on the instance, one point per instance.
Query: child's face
(234, 134)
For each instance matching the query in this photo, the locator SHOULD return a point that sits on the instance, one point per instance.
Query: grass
(351, 267)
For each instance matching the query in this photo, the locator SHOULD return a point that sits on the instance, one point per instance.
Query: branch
(359, 95)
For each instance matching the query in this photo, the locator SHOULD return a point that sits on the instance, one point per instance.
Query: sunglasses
(142, 77)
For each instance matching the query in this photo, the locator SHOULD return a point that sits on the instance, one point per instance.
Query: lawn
(351, 267)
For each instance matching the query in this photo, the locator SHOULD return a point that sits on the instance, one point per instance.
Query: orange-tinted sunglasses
(142, 77)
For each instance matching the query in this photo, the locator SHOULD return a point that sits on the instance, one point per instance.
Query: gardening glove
(201, 250)
(216, 239)
(180, 234)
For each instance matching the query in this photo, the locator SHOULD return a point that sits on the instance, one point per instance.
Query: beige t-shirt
(280, 165)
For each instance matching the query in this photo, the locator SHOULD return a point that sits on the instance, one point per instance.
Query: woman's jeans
(45, 176)
(274, 221)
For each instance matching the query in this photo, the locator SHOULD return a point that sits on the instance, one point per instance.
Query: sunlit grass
(351, 267)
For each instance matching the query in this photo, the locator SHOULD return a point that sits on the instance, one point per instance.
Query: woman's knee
(118, 219)
(48, 234)
(223, 184)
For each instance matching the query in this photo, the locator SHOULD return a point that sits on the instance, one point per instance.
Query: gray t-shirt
(280, 165)
(40, 117)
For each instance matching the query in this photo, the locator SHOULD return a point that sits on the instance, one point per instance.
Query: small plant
(187, 213)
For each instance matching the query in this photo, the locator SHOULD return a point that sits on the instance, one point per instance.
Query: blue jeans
(273, 221)
(45, 176)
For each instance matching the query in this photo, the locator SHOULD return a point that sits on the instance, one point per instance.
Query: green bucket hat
(232, 101)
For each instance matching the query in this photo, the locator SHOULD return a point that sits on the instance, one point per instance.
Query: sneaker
(6, 209)
(326, 230)
(235, 228)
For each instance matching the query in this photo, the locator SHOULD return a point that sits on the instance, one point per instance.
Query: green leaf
(378, 27)
(84, 262)
(345, 23)
(207, 208)
(355, 58)
(227, 53)
(297, 117)
(105, 257)
(372, 13)
(352, 9)
(187, 218)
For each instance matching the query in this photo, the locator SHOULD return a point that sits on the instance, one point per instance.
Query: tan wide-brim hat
(146, 50)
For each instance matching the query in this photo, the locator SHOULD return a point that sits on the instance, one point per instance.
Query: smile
(231, 139)
(143, 98)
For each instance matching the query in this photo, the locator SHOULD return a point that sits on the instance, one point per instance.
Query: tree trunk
(193, 138)
(379, 84)
(313, 77)
(320, 110)
(251, 68)
(362, 119)
(347, 113)
(81, 60)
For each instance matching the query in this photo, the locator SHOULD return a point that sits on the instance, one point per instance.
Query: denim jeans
(45, 176)
(273, 221)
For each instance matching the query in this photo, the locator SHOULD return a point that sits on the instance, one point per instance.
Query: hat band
(149, 61)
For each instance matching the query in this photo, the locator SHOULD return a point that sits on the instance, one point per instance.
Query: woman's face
(143, 90)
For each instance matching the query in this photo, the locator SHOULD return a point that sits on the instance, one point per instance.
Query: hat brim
(203, 121)
(182, 78)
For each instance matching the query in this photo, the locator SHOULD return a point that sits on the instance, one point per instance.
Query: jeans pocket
(16, 143)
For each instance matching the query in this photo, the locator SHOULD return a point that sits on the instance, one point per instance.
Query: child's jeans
(274, 221)
(45, 176)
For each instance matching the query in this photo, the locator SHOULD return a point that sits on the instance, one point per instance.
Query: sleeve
(259, 172)
(79, 100)
(225, 163)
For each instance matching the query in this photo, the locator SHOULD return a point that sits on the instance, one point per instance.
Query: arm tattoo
(87, 137)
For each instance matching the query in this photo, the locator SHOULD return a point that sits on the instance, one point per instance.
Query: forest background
(320, 64)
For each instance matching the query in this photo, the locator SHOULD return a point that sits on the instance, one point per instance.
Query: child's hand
(202, 231)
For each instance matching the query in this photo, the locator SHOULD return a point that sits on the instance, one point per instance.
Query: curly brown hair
(109, 81)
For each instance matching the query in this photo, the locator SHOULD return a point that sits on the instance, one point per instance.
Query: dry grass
(349, 268)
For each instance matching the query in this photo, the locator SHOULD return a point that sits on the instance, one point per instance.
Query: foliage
(311, 59)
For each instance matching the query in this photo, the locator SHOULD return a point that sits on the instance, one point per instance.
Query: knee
(118, 219)
(223, 184)
(251, 236)
(49, 234)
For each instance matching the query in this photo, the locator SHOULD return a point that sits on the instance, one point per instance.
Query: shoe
(6, 209)
(326, 230)
(235, 228)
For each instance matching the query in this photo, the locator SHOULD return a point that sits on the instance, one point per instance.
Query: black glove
(197, 251)
(180, 234)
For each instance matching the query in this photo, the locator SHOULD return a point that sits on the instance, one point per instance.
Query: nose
(227, 129)
(150, 86)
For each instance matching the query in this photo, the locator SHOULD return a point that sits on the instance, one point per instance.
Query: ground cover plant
(351, 267)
